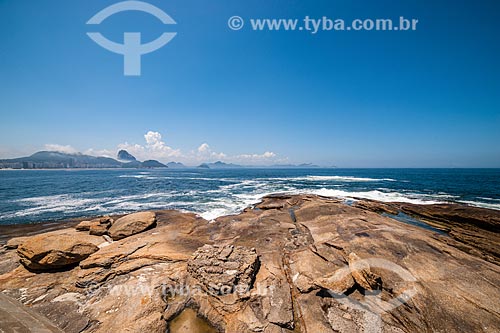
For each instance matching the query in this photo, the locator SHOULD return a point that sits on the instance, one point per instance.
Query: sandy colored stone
(46, 252)
(131, 224)
(14, 243)
(122, 287)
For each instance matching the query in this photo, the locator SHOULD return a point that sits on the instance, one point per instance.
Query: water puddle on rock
(189, 322)
(402, 217)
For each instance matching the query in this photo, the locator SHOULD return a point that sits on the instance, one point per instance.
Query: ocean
(30, 196)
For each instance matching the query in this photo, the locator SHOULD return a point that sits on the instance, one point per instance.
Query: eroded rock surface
(222, 268)
(53, 251)
(307, 261)
(131, 224)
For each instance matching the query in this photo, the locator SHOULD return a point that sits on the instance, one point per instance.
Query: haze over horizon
(425, 98)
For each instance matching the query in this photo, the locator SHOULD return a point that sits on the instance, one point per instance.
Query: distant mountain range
(219, 165)
(176, 165)
(58, 160)
(222, 165)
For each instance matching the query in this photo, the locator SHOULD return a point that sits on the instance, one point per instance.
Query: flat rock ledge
(292, 263)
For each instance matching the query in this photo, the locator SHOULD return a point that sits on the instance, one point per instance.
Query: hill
(58, 160)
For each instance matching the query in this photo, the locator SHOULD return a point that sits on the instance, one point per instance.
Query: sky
(424, 98)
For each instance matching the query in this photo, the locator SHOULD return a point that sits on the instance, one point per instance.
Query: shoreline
(107, 274)
(347, 200)
(446, 218)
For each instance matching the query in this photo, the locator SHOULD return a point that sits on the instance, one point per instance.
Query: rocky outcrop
(472, 229)
(221, 269)
(104, 221)
(96, 227)
(293, 264)
(131, 225)
(14, 243)
(124, 155)
(46, 252)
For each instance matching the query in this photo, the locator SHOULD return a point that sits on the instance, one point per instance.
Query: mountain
(132, 165)
(153, 164)
(125, 156)
(175, 165)
(58, 160)
(219, 165)
(297, 166)
(53, 160)
(203, 166)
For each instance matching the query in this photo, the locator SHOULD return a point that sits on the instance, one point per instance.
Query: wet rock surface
(307, 263)
(472, 229)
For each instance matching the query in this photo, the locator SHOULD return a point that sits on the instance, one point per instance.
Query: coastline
(289, 243)
(219, 192)
(452, 219)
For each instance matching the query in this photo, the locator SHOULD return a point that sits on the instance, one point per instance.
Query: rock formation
(131, 224)
(290, 264)
(49, 251)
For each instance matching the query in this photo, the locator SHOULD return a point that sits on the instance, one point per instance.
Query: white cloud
(60, 148)
(100, 152)
(266, 158)
(153, 138)
(266, 155)
(206, 154)
(203, 148)
(156, 148)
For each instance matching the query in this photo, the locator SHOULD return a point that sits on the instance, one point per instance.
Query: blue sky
(425, 98)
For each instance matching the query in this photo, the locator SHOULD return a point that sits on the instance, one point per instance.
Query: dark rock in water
(312, 264)
(124, 155)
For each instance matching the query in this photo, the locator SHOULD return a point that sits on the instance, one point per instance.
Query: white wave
(334, 178)
(142, 176)
(180, 177)
(69, 203)
(212, 214)
(53, 204)
(379, 196)
(481, 204)
(490, 199)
